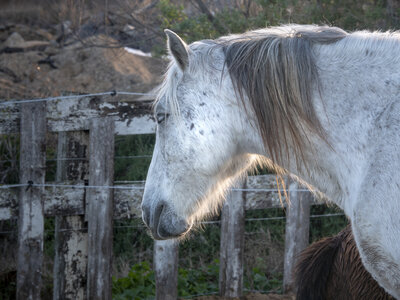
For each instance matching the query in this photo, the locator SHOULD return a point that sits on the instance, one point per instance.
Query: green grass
(199, 254)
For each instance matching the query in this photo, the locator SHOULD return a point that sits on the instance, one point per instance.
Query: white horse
(315, 102)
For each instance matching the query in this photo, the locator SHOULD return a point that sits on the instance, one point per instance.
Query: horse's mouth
(164, 223)
(161, 234)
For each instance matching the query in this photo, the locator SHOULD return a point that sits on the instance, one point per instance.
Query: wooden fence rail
(84, 192)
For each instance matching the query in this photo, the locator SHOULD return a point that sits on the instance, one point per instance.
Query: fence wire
(84, 158)
(121, 187)
(216, 222)
(48, 99)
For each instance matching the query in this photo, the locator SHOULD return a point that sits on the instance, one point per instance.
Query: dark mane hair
(275, 69)
(332, 269)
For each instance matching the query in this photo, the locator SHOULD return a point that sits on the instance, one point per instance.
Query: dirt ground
(33, 65)
(255, 296)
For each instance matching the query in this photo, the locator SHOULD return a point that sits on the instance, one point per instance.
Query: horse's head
(200, 145)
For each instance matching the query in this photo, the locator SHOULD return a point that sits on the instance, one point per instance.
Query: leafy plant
(326, 226)
(347, 14)
(260, 281)
(139, 284)
(127, 166)
(195, 281)
(192, 28)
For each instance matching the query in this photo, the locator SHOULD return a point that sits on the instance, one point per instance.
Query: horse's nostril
(163, 222)
(157, 214)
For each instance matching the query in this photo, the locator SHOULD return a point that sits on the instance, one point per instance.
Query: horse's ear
(178, 48)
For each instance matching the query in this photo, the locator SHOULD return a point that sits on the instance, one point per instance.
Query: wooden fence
(84, 196)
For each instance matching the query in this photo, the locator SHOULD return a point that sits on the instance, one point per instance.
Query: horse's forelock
(275, 69)
(167, 91)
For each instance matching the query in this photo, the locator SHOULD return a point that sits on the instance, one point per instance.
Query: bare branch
(204, 9)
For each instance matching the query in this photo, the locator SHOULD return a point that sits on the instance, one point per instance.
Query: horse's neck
(359, 80)
(356, 87)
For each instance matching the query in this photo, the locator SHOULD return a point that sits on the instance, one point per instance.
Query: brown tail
(313, 268)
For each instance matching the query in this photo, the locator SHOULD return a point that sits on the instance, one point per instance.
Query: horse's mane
(313, 268)
(275, 69)
(332, 269)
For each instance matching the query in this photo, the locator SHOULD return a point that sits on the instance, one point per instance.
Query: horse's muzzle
(163, 222)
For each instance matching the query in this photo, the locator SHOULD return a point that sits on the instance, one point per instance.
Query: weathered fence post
(297, 230)
(166, 269)
(31, 217)
(232, 243)
(100, 208)
(70, 262)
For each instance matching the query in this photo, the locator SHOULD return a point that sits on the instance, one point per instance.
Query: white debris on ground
(137, 52)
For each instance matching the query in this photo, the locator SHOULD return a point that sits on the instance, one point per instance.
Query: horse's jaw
(171, 206)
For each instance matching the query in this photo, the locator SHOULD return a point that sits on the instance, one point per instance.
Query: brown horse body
(332, 269)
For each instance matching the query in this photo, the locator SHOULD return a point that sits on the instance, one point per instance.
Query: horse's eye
(161, 117)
